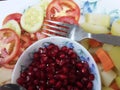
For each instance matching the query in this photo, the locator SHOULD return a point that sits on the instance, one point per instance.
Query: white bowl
(25, 58)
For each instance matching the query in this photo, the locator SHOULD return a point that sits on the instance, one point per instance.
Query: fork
(75, 32)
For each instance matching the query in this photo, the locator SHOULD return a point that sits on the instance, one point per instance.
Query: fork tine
(55, 32)
(57, 27)
(59, 23)
(48, 34)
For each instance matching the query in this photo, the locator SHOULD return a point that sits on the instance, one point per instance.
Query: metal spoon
(12, 87)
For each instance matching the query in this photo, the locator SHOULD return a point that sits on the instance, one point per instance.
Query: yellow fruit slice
(98, 19)
(32, 19)
(12, 24)
(114, 53)
(115, 29)
(97, 29)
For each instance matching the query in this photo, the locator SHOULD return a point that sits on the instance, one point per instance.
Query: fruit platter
(21, 26)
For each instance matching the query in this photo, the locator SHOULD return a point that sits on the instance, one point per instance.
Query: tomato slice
(60, 8)
(9, 45)
(67, 19)
(25, 41)
(13, 16)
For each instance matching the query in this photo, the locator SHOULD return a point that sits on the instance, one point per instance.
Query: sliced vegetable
(12, 24)
(105, 59)
(32, 19)
(39, 35)
(9, 45)
(25, 41)
(96, 58)
(67, 19)
(13, 16)
(60, 8)
(94, 43)
(10, 65)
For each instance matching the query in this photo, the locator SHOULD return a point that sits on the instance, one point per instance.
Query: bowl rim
(57, 37)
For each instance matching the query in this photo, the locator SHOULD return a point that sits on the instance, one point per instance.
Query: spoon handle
(11, 87)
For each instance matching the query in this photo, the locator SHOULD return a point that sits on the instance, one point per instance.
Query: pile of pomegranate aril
(55, 68)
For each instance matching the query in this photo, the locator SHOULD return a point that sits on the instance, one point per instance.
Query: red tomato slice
(9, 45)
(39, 35)
(25, 41)
(11, 64)
(60, 8)
(67, 19)
(13, 16)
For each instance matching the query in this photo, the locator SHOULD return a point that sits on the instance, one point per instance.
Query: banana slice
(97, 29)
(12, 24)
(32, 19)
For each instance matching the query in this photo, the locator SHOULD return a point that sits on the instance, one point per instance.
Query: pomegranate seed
(70, 51)
(62, 76)
(58, 84)
(79, 84)
(89, 85)
(52, 81)
(36, 55)
(91, 77)
(30, 88)
(55, 68)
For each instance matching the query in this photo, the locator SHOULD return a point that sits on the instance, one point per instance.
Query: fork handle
(106, 38)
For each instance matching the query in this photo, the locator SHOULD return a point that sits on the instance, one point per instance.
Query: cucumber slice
(12, 24)
(32, 19)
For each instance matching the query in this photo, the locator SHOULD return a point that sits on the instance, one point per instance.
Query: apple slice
(98, 19)
(108, 77)
(107, 47)
(115, 29)
(5, 74)
(97, 29)
(115, 56)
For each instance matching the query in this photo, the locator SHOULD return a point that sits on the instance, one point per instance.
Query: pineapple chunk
(115, 56)
(97, 29)
(108, 77)
(115, 29)
(98, 19)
